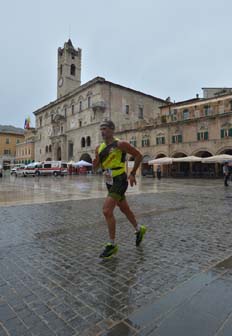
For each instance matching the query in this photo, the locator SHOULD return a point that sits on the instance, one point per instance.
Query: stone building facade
(10, 136)
(25, 150)
(68, 128)
(199, 127)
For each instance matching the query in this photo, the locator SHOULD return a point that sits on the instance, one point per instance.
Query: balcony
(99, 106)
(58, 118)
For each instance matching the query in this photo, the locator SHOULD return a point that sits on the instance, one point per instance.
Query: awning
(163, 160)
(217, 158)
(190, 158)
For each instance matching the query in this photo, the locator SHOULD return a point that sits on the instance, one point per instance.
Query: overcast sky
(160, 47)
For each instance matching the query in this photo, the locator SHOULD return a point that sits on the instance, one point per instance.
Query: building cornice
(197, 102)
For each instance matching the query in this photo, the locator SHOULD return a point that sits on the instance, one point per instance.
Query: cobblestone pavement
(51, 279)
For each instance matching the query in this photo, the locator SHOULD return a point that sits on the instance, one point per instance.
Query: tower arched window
(46, 149)
(50, 148)
(73, 70)
(82, 142)
(88, 141)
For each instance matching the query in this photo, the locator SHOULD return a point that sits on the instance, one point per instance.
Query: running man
(111, 156)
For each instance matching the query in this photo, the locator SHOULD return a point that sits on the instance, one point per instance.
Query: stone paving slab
(53, 283)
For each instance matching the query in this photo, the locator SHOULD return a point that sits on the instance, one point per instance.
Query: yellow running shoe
(109, 251)
(140, 234)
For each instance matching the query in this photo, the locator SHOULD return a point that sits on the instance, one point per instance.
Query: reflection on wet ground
(32, 190)
(52, 281)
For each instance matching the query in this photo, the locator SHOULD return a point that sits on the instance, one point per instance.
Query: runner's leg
(108, 212)
(124, 207)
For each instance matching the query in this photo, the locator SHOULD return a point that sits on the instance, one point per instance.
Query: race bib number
(108, 176)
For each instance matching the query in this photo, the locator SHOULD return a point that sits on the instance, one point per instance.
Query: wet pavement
(178, 282)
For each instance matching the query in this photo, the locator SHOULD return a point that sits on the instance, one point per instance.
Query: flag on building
(27, 123)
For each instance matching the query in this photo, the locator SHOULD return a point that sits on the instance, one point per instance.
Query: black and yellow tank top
(111, 157)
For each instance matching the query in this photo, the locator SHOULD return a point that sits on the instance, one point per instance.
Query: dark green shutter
(173, 139)
(198, 136)
(206, 135)
(230, 132)
(179, 138)
(222, 133)
(163, 140)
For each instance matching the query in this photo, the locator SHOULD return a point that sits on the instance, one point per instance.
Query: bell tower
(68, 69)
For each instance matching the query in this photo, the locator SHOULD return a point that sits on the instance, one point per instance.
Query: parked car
(54, 168)
(16, 168)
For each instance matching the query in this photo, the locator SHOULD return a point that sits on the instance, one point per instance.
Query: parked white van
(28, 170)
(52, 168)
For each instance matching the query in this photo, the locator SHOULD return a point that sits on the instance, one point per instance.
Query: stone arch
(180, 169)
(200, 169)
(86, 157)
(80, 98)
(225, 150)
(160, 155)
(146, 169)
(202, 152)
(178, 154)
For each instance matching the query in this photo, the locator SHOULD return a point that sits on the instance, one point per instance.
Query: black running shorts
(118, 188)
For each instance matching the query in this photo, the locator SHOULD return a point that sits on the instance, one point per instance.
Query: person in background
(158, 172)
(226, 174)
(111, 156)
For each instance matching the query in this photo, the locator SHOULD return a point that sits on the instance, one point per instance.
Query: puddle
(225, 264)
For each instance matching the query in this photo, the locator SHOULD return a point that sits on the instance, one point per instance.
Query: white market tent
(82, 163)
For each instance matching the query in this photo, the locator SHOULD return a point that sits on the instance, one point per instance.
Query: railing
(100, 105)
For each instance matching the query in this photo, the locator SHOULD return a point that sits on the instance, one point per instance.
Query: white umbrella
(82, 163)
(190, 158)
(163, 160)
(217, 158)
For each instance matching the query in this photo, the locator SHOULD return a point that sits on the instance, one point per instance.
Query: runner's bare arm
(96, 160)
(127, 148)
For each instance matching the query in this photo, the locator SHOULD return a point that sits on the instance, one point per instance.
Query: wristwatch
(133, 174)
